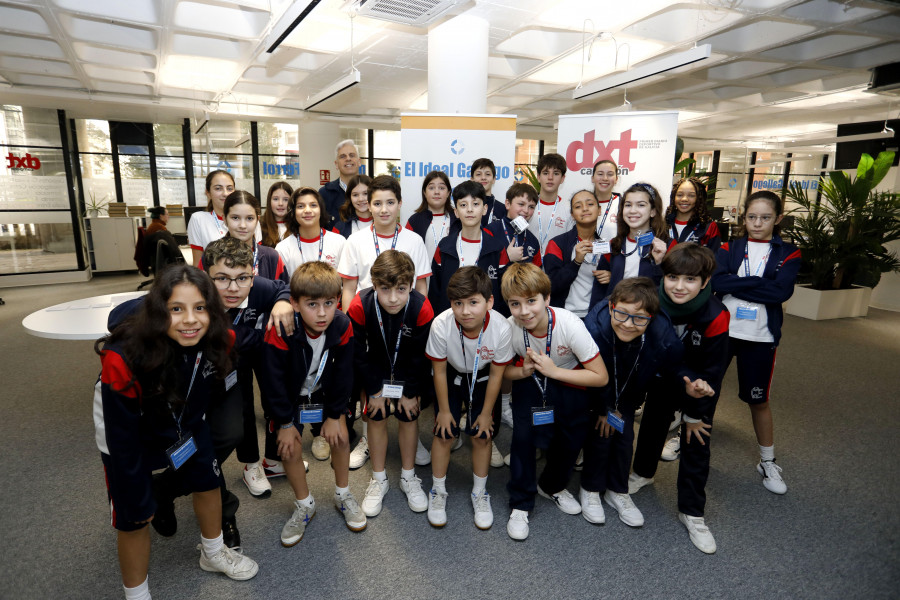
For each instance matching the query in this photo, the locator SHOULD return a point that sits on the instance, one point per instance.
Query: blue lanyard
(319, 371)
(393, 243)
(460, 253)
(758, 266)
(619, 390)
(490, 214)
(255, 258)
(471, 383)
(543, 235)
(238, 317)
(437, 238)
(543, 388)
(187, 395)
(384, 336)
(606, 213)
(514, 238)
(321, 243)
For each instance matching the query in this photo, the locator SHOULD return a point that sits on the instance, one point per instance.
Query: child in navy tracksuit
(308, 380)
(484, 172)
(434, 217)
(557, 362)
(701, 321)
(640, 244)
(577, 281)
(242, 219)
(159, 369)
(521, 247)
(467, 245)
(391, 322)
(755, 276)
(687, 216)
(354, 214)
(636, 342)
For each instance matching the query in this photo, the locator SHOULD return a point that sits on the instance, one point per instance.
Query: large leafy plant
(843, 237)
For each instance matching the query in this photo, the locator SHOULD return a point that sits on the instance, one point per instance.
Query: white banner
(642, 144)
(450, 143)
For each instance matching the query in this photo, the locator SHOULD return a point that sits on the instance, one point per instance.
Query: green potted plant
(842, 239)
(93, 207)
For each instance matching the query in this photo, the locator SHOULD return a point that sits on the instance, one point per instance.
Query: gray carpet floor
(833, 535)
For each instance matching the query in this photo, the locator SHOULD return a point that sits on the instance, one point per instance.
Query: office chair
(164, 257)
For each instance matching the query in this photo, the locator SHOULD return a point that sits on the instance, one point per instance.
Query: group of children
(568, 316)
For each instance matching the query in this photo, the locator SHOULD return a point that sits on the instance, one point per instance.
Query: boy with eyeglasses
(636, 341)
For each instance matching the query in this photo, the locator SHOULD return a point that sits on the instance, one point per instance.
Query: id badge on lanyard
(309, 412)
(544, 414)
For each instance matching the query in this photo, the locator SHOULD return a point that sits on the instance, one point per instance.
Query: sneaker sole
(375, 514)
(600, 522)
(292, 544)
(437, 525)
(243, 577)
(352, 468)
(484, 528)
(260, 495)
(349, 526)
(550, 498)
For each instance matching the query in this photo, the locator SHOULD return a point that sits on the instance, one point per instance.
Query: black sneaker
(230, 534)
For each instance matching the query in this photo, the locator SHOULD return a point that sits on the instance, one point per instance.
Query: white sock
(210, 547)
(478, 484)
(407, 474)
(439, 484)
(308, 502)
(251, 466)
(140, 592)
(365, 429)
(379, 475)
(340, 491)
(767, 452)
(505, 399)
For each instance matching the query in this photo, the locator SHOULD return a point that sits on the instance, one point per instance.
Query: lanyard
(619, 390)
(490, 214)
(514, 238)
(635, 249)
(437, 238)
(187, 395)
(237, 319)
(255, 258)
(759, 265)
(220, 227)
(321, 243)
(319, 371)
(459, 251)
(375, 239)
(471, 383)
(543, 235)
(605, 214)
(677, 237)
(537, 380)
(384, 336)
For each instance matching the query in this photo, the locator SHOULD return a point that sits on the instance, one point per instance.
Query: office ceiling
(779, 70)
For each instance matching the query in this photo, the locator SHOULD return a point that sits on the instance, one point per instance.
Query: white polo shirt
(295, 250)
(444, 345)
(570, 342)
(360, 253)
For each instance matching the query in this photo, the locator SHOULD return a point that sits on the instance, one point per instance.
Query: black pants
(607, 460)
(562, 439)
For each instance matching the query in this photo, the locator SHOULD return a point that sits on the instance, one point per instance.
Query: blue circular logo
(732, 183)
(456, 147)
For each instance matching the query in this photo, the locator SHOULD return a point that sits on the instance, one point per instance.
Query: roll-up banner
(642, 144)
(451, 143)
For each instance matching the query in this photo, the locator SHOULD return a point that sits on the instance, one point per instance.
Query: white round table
(83, 319)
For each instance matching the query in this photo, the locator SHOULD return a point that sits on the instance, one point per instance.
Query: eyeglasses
(759, 218)
(622, 317)
(242, 281)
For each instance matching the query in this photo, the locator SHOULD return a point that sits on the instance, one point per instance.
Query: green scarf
(680, 312)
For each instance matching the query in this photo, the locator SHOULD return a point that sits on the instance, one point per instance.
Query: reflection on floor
(36, 260)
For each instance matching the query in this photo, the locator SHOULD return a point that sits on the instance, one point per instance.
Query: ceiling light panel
(540, 43)
(829, 11)
(571, 14)
(98, 72)
(683, 24)
(25, 21)
(820, 47)
(111, 34)
(236, 22)
(756, 35)
(36, 66)
(13, 44)
(108, 56)
(141, 11)
(192, 72)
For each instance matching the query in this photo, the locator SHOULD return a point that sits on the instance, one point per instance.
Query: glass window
(223, 137)
(167, 139)
(42, 241)
(93, 135)
(22, 126)
(386, 144)
(359, 136)
(278, 138)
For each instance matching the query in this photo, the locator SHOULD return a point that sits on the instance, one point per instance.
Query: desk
(83, 319)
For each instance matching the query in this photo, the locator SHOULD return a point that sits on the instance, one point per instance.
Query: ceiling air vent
(407, 12)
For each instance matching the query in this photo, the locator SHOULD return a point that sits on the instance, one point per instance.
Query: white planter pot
(829, 304)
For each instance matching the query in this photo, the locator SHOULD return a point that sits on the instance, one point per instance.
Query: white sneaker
(375, 493)
(517, 526)
(320, 448)
(496, 457)
(230, 562)
(415, 496)
(347, 505)
(360, 454)
(459, 442)
(591, 507)
(636, 482)
(579, 462)
(255, 480)
(564, 500)
(506, 416)
(628, 512)
(437, 508)
(672, 450)
(699, 532)
(771, 476)
(294, 529)
(481, 504)
(423, 455)
(273, 469)
(676, 421)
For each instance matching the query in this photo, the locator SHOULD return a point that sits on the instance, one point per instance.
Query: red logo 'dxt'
(593, 151)
(22, 162)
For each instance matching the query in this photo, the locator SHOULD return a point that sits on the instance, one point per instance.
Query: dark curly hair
(701, 211)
